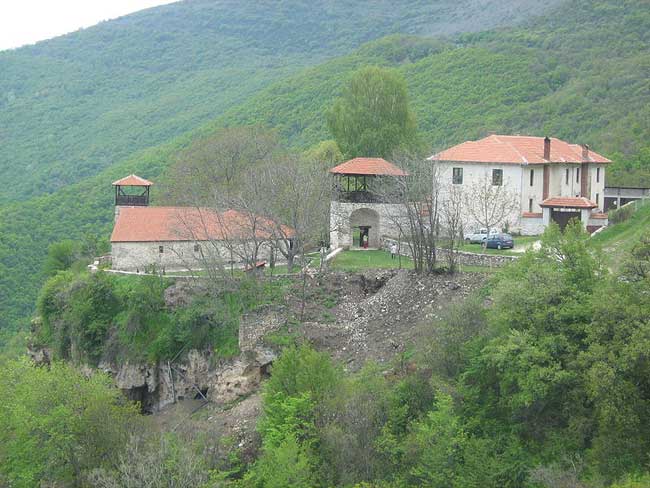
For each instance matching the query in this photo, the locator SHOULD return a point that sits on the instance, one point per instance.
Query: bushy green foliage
(56, 424)
(106, 316)
(373, 117)
(546, 387)
(60, 256)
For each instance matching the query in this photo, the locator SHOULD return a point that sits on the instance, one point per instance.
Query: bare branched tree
(294, 199)
(452, 218)
(417, 212)
(490, 205)
(215, 177)
(217, 161)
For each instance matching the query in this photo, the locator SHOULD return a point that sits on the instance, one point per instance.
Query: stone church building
(182, 238)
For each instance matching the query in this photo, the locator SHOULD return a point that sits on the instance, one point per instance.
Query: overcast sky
(28, 21)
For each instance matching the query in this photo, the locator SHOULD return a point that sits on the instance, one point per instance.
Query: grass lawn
(371, 259)
(374, 259)
(618, 239)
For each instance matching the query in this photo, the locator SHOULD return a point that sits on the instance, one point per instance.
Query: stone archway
(367, 219)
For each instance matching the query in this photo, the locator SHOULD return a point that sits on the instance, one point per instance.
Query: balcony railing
(362, 197)
(132, 200)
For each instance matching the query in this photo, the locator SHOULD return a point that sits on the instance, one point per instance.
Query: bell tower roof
(132, 180)
(132, 190)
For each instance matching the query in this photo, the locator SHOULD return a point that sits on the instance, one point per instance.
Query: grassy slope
(537, 79)
(618, 239)
(74, 105)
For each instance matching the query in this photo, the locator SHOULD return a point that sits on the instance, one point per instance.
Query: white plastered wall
(473, 173)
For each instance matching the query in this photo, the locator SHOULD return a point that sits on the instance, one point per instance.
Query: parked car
(500, 241)
(479, 236)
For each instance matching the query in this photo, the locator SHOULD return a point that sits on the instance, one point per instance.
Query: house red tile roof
(568, 202)
(368, 166)
(517, 150)
(132, 180)
(151, 224)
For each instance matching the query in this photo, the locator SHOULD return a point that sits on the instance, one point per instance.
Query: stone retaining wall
(464, 258)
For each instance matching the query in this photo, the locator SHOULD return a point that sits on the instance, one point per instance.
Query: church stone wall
(176, 255)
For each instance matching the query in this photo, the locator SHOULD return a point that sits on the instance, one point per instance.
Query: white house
(553, 180)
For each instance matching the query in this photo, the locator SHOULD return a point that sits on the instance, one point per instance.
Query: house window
(532, 177)
(197, 247)
(577, 175)
(497, 177)
(566, 177)
(530, 205)
(597, 198)
(457, 177)
(597, 175)
(161, 249)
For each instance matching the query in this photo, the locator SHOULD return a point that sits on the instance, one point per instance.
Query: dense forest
(579, 72)
(77, 104)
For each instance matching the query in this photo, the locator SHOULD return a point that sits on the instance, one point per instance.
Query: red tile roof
(532, 215)
(132, 180)
(568, 202)
(368, 166)
(516, 150)
(598, 215)
(151, 224)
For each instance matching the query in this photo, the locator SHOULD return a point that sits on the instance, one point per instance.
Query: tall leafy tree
(373, 117)
(56, 424)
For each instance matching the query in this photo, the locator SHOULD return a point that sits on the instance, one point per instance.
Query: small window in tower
(161, 249)
(566, 177)
(577, 175)
(457, 177)
(197, 247)
(530, 205)
(497, 177)
(532, 177)
(597, 175)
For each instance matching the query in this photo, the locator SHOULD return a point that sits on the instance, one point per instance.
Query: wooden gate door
(563, 218)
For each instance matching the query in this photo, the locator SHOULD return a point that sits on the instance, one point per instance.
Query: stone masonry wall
(340, 224)
(464, 258)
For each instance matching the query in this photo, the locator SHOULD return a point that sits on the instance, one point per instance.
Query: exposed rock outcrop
(197, 376)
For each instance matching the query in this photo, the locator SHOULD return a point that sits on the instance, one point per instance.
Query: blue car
(500, 241)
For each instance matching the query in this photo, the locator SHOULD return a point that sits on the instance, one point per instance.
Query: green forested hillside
(74, 105)
(581, 73)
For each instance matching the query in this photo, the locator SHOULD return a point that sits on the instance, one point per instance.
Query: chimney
(547, 148)
(585, 153)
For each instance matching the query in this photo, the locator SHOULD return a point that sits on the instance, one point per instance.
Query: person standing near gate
(393, 250)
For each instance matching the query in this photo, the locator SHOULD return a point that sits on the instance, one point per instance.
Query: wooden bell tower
(132, 191)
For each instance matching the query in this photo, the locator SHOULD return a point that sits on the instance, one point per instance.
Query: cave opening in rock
(202, 395)
(141, 395)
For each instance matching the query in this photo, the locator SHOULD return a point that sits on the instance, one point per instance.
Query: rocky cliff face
(198, 376)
